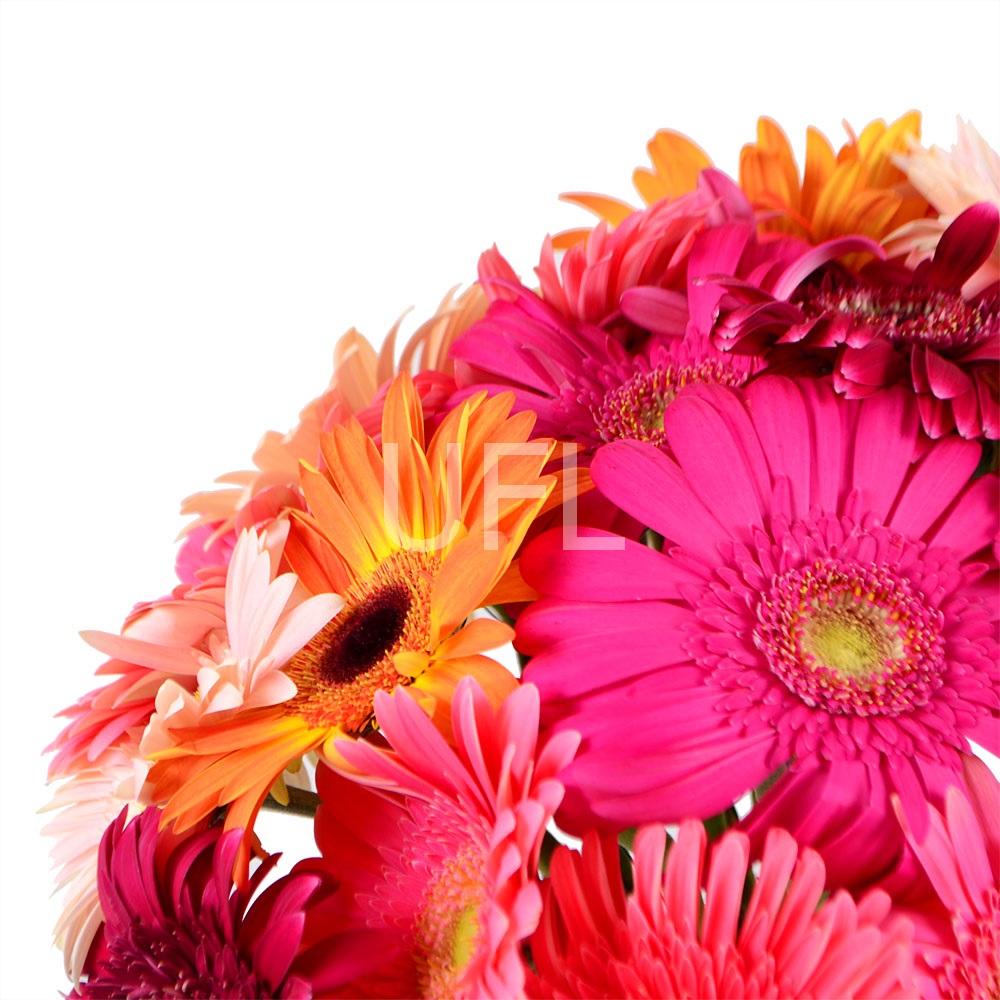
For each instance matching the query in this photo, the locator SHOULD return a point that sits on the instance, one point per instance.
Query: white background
(198, 198)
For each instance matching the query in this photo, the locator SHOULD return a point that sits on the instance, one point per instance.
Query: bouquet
(725, 473)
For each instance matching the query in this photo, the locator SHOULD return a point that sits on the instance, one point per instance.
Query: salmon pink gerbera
(825, 599)
(174, 925)
(435, 846)
(686, 932)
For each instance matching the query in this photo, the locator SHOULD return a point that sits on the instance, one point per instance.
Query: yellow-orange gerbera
(858, 189)
(414, 539)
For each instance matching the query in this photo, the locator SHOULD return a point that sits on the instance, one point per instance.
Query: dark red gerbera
(175, 926)
(885, 326)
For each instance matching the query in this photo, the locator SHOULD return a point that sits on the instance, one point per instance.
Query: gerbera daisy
(87, 803)
(951, 182)
(436, 859)
(174, 926)
(359, 372)
(824, 599)
(414, 540)
(683, 932)
(858, 189)
(957, 924)
(583, 384)
(646, 247)
(886, 325)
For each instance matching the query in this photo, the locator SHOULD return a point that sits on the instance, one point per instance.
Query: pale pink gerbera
(174, 926)
(683, 932)
(437, 859)
(951, 182)
(268, 618)
(957, 929)
(825, 599)
(252, 498)
(87, 803)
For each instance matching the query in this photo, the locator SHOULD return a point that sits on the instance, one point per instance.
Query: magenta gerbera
(885, 326)
(437, 859)
(175, 926)
(581, 381)
(824, 599)
(684, 932)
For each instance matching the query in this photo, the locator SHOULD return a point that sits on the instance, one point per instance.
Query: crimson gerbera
(824, 599)
(885, 326)
(175, 926)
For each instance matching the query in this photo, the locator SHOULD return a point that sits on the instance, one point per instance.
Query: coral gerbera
(436, 859)
(684, 931)
(174, 926)
(824, 598)
(414, 540)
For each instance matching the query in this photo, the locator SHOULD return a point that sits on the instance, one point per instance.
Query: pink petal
(643, 482)
(946, 379)
(964, 246)
(628, 572)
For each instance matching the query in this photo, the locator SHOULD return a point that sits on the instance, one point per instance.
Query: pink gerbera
(174, 925)
(684, 933)
(824, 599)
(885, 326)
(647, 247)
(437, 860)
(581, 381)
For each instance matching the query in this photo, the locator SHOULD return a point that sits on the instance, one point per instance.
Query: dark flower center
(904, 314)
(364, 633)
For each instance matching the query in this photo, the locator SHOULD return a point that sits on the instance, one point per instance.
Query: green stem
(716, 826)
(300, 803)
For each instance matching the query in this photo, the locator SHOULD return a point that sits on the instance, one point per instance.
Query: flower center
(364, 634)
(448, 924)
(904, 314)
(634, 410)
(855, 639)
(339, 670)
(975, 970)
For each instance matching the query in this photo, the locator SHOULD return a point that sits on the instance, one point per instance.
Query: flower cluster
(727, 479)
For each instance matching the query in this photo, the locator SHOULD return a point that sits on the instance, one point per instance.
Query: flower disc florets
(854, 639)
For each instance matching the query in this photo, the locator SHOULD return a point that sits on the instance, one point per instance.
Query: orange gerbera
(414, 539)
(858, 189)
